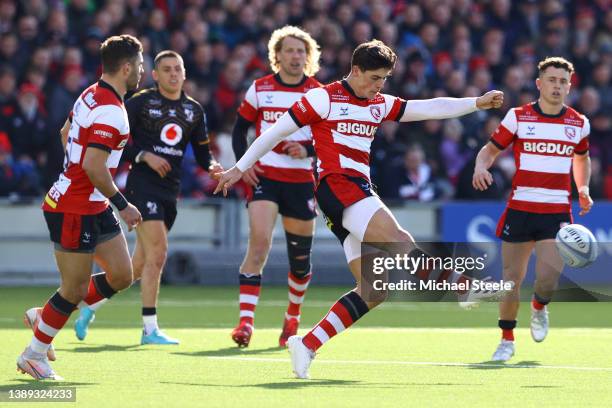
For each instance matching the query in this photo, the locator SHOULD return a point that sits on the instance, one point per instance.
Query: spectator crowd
(49, 53)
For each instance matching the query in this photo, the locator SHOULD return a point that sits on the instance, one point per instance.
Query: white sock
(150, 323)
(38, 346)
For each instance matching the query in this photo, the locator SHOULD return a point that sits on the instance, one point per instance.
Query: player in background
(550, 143)
(344, 117)
(282, 181)
(164, 120)
(81, 223)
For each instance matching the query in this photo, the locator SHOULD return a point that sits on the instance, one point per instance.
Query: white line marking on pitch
(414, 363)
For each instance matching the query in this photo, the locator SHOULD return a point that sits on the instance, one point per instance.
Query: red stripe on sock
(311, 341)
(250, 290)
(300, 281)
(93, 296)
(537, 305)
(293, 309)
(248, 306)
(328, 327)
(296, 292)
(52, 318)
(508, 334)
(343, 314)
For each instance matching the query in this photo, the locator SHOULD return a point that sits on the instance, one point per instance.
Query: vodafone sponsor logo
(548, 147)
(271, 116)
(171, 134)
(359, 129)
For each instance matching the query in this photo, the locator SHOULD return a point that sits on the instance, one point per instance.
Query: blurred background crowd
(49, 53)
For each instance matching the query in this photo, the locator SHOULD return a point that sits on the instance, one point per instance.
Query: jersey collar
(536, 107)
(104, 84)
(278, 79)
(346, 85)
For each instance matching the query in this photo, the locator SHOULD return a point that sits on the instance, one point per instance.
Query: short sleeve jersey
(266, 100)
(543, 150)
(98, 120)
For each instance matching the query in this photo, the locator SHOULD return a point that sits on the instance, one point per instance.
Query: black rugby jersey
(164, 127)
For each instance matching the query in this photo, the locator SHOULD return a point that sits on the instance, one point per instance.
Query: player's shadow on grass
(499, 365)
(30, 383)
(101, 348)
(296, 384)
(230, 352)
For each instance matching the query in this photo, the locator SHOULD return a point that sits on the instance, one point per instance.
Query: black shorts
(153, 207)
(337, 192)
(521, 226)
(81, 233)
(295, 200)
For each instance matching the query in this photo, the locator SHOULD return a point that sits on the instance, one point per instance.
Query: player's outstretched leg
(298, 250)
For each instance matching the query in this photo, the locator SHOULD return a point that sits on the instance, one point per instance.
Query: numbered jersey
(98, 120)
(265, 101)
(543, 150)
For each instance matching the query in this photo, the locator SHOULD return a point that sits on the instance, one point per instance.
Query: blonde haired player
(282, 180)
(550, 142)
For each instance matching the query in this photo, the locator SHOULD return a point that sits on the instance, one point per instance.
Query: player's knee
(121, 278)
(299, 248)
(157, 260)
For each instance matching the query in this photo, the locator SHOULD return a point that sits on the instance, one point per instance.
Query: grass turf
(402, 354)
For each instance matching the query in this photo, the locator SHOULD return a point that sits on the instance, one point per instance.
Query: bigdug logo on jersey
(359, 129)
(548, 147)
(271, 116)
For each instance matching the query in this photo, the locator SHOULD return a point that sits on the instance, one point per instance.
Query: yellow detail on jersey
(50, 202)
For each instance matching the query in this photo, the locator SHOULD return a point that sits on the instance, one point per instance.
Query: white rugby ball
(577, 245)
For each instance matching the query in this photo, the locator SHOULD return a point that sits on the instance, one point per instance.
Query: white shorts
(355, 219)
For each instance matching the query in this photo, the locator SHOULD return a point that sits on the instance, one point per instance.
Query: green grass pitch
(402, 354)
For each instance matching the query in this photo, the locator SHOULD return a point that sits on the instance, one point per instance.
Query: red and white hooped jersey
(98, 119)
(543, 150)
(266, 100)
(343, 126)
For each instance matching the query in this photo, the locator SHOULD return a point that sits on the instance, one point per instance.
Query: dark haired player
(164, 120)
(81, 223)
(344, 117)
(550, 143)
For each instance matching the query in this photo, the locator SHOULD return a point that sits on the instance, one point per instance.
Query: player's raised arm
(444, 108)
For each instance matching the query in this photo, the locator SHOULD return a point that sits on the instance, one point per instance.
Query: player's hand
(296, 150)
(585, 201)
(131, 216)
(482, 179)
(492, 99)
(250, 175)
(160, 165)
(227, 179)
(215, 170)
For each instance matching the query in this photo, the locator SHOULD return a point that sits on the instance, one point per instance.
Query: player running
(281, 181)
(550, 139)
(344, 117)
(81, 223)
(164, 120)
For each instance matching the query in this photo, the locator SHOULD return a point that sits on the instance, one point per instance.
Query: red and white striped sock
(54, 316)
(250, 286)
(346, 311)
(297, 292)
(98, 292)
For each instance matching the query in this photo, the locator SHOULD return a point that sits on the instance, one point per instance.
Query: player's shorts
(348, 204)
(81, 233)
(295, 200)
(153, 208)
(522, 226)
